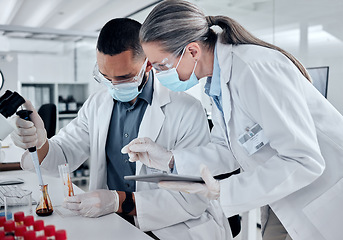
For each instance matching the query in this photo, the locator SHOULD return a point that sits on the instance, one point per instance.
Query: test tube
(65, 176)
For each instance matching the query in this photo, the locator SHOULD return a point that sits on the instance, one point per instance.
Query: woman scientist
(268, 118)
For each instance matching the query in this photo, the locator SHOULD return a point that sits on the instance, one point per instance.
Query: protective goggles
(119, 84)
(168, 63)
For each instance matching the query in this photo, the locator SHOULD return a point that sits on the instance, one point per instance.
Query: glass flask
(44, 207)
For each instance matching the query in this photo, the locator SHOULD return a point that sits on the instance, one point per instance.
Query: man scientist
(132, 104)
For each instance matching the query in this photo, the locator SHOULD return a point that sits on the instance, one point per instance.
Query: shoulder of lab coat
(72, 143)
(265, 85)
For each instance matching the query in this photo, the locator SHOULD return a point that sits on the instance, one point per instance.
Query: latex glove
(211, 188)
(29, 133)
(93, 204)
(149, 153)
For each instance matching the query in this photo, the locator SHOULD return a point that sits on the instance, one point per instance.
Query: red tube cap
(38, 225)
(9, 226)
(19, 216)
(20, 230)
(41, 238)
(61, 235)
(30, 235)
(8, 238)
(29, 220)
(49, 230)
(2, 221)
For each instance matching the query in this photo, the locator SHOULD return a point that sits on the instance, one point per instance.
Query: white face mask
(170, 78)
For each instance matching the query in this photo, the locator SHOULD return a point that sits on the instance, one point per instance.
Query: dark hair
(119, 35)
(176, 23)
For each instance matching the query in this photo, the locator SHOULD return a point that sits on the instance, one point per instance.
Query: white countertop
(106, 227)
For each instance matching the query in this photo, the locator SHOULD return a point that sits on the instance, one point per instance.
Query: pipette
(25, 114)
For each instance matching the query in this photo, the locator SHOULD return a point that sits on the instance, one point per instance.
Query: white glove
(29, 133)
(211, 188)
(149, 153)
(93, 204)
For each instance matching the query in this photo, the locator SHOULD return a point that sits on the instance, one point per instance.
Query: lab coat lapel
(224, 53)
(103, 123)
(153, 118)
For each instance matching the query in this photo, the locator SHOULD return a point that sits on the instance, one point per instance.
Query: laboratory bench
(110, 226)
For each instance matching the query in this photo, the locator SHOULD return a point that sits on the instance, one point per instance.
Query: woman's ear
(148, 67)
(195, 50)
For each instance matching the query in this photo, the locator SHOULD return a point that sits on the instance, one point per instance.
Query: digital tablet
(157, 177)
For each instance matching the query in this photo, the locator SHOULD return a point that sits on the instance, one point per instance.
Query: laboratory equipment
(44, 207)
(65, 176)
(17, 201)
(19, 232)
(9, 103)
(28, 222)
(50, 232)
(2, 221)
(61, 235)
(19, 218)
(9, 226)
(38, 226)
(9, 188)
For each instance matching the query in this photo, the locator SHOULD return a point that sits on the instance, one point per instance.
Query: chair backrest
(48, 114)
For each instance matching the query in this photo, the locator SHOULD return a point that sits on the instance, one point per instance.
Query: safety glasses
(168, 63)
(119, 84)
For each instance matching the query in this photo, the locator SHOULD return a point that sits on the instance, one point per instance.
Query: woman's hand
(149, 153)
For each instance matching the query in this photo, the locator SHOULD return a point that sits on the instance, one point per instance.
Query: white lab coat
(299, 173)
(173, 120)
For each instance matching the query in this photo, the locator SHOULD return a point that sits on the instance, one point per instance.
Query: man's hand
(149, 153)
(93, 204)
(29, 133)
(211, 188)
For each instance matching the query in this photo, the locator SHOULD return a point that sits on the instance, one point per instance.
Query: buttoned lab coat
(299, 172)
(173, 120)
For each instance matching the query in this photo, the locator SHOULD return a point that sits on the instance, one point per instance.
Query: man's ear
(195, 50)
(148, 67)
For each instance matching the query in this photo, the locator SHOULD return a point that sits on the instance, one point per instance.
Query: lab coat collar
(224, 54)
(103, 119)
(153, 118)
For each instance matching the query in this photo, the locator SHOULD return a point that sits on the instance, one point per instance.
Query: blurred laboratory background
(47, 48)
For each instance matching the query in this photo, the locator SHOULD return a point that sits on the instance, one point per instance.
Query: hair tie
(209, 21)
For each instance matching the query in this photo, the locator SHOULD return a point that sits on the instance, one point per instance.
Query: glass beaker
(44, 207)
(18, 201)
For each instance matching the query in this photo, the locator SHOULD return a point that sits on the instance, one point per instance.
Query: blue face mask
(124, 94)
(170, 79)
